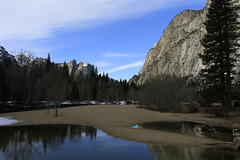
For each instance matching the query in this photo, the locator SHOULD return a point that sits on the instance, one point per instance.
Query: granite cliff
(77, 69)
(176, 53)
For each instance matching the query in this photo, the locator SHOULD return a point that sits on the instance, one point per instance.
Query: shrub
(165, 93)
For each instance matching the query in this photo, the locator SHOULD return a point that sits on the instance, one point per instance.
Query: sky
(114, 35)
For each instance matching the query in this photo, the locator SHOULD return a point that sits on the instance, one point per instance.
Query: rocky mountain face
(133, 80)
(77, 69)
(40, 61)
(5, 55)
(176, 53)
(72, 67)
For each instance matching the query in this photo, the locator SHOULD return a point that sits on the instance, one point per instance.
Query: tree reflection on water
(190, 153)
(196, 129)
(24, 142)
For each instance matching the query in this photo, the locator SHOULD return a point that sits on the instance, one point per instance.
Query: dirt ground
(116, 122)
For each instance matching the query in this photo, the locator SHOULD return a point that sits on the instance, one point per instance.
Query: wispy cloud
(103, 64)
(114, 54)
(120, 68)
(26, 19)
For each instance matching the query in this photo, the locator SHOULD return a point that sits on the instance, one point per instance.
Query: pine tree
(48, 64)
(220, 50)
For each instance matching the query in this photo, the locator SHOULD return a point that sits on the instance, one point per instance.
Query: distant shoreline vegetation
(10, 106)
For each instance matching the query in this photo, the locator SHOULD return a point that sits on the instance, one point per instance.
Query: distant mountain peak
(4, 54)
(85, 64)
(81, 68)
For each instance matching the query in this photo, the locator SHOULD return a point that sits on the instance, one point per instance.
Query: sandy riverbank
(115, 121)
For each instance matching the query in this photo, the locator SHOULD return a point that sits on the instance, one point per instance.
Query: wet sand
(116, 122)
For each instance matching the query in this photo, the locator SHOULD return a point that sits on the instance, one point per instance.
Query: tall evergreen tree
(48, 64)
(220, 50)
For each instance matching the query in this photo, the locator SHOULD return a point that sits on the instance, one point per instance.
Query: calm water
(196, 129)
(71, 142)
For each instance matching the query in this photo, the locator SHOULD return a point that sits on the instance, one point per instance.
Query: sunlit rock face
(72, 66)
(133, 80)
(82, 68)
(177, 51)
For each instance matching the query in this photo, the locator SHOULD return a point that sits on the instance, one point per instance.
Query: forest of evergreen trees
(28, 82)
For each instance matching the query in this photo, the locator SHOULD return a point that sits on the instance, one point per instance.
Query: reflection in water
(190, 153)
(236, 136)
(61, 142)
(66, 142)
(196, 129)
(24, 142)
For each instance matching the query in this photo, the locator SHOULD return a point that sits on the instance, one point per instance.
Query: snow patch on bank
(8, 121)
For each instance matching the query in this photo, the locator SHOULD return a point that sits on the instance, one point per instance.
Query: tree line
(26, 81)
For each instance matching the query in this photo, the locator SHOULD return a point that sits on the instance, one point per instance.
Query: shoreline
(116, 121)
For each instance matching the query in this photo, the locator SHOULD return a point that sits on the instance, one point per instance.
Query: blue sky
(114, 35)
